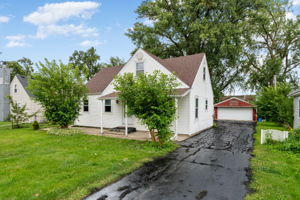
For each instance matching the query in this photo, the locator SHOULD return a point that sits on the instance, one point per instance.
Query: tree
(60, 89)
(273, 104)
(22, 67)
(87, 62)
(273, 48)
(148, 97)
(114, 61)
(18, 114)
(185, 27)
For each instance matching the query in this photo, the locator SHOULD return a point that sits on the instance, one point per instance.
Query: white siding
(22, 98)
(296, 112)
(241, 114)
(201, 89)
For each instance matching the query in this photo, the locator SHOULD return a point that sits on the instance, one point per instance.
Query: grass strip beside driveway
(276, 174)
(34, 165)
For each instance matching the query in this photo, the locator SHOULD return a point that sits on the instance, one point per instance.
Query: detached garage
(235, 109)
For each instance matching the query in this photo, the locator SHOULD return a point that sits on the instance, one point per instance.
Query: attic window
(204, 73)
(86, 105)
(139, 68)
(16, 90)
(206, 104)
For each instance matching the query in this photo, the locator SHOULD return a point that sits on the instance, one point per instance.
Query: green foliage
(60, 90)
(87, 62)
(185, 27)
(292, 144)
(273, 104)
(23, 67)
(35, 125)
(18, 114)
(64, 132)
(114, 61)
(148, 97)
(273, 47)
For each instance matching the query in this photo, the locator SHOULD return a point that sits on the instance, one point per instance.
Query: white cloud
(89, 43)
(296, 2)
(4, 19)
(290, 15)
(16, 41)
(47, 17)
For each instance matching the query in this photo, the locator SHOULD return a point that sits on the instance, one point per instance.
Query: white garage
(235, 109)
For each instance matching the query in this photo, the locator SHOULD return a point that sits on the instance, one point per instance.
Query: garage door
(244, 114)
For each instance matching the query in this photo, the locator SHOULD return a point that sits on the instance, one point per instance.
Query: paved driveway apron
(212, 165)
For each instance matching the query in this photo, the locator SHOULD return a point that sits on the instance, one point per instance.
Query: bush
(273, 104)
(64, 132)
(35, 125)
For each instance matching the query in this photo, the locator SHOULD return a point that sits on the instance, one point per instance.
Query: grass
(4, 123)
(35, 165)
(276, 174)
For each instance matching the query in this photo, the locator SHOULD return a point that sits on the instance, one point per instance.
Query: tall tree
(23, 66)
(114, 61)
(273, 50)
(60, 89)
(185, 27)
(87, 62)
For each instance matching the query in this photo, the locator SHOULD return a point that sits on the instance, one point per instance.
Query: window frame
(206, 104)
(86, 104)
(204, 73)
(196, 107)
(16, 89)
(107, 106)
(139, 71)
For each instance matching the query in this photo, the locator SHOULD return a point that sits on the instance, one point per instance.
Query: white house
(20, 95)
(296, 95)
(194, 96)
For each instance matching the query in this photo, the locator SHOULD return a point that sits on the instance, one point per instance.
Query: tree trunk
(153, 136)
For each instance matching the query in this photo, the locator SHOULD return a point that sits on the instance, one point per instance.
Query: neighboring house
(235, 109)
(194, 96)
(20, 95)
(4, 92)
(296, 95)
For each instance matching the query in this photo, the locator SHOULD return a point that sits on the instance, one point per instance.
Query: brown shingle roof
(184, 67)
(101, 80)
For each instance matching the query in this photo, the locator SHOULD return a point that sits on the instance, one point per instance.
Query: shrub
(273, 104)
(64, 132)
(35, 125)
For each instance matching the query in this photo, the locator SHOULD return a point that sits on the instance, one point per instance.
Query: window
(204, 73)
(206, 104)
(86, 105)
(16, 90)
(139, 68)
(196, 107)
(107, 105)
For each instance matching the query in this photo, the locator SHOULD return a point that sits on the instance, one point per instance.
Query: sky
(53, 29)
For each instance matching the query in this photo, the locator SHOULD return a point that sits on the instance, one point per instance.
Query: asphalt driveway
(212, 165)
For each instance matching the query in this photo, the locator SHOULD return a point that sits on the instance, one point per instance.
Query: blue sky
(42, 28)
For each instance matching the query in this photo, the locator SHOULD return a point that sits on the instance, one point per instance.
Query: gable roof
(248, 98)
(24, 82)
(233, 103)
(101, 80)
(184, 67)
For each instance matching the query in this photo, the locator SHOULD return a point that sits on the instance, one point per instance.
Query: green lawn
(276, 174)
(34, 165)
(4, 123)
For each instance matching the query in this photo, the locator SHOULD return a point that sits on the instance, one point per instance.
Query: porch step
(122, 129)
